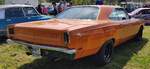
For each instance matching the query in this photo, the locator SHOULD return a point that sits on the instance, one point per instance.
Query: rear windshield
(79, 13)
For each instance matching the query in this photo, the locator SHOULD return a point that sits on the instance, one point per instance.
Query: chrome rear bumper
(63, 50)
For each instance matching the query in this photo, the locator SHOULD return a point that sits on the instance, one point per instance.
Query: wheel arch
(142, 27)
(107, 41)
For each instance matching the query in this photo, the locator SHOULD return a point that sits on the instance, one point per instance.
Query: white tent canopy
(27, 2)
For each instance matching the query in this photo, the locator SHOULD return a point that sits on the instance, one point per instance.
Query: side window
(146, 11)
(30, 11)
(119, 14)
(139, 13)
(14, 12)
(2, 14)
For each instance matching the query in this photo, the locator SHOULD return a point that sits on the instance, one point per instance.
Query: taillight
(66, 38)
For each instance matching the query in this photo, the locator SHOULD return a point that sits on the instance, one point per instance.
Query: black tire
(3, 39)
(139, 35)
(104, 56)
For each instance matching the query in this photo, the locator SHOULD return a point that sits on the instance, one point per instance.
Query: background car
(142, 13)
(11, 14)
(131, 6)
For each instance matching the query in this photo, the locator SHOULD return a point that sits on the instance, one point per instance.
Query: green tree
(1, 2)
(83, 2)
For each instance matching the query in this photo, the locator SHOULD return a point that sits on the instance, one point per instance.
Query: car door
(31, 14)
(131, 25)
(121, 18)
(14, 15)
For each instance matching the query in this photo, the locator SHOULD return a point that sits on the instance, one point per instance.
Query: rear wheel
(104, 56)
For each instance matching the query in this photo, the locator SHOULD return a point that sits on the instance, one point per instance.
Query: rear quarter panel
(88, 41)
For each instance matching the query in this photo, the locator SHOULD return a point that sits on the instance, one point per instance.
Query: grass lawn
(131, 55)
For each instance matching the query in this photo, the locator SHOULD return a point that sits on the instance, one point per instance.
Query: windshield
(79, 13)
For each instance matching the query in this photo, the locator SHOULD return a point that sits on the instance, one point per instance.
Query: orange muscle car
(79, 32)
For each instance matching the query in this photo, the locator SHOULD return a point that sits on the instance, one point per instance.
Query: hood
(58, 24)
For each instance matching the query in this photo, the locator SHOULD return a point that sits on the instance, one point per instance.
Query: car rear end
(61, 37)
(42, 41)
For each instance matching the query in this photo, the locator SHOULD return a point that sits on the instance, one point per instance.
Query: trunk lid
(48, 32)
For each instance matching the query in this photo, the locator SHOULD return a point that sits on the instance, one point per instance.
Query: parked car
(79, 32)
(142, 13)
(131, 6)
(11, 14)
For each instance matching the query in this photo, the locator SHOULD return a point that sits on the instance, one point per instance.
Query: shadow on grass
(122, 55)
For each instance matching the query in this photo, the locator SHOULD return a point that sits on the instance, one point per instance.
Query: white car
(142, 13)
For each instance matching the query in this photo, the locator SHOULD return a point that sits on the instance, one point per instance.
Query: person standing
(45, 10)
(39, 8)
(62, 6)
(99, 2)
(70, 5)
(27, 3)
(54, 8)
